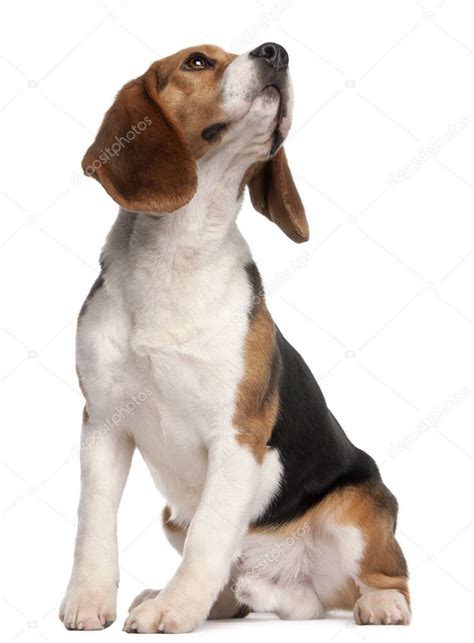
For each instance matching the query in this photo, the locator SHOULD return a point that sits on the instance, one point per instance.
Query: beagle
(271, 506)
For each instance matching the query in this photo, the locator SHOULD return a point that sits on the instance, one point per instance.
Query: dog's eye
(196, 62)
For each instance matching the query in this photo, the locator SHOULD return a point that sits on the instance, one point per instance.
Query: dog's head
(198, 104)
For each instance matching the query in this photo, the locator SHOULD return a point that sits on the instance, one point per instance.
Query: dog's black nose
(275, 55)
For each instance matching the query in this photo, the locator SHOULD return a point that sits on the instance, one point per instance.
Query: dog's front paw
(86, 608)
(160, 614)
(382, 607)
(143, 596)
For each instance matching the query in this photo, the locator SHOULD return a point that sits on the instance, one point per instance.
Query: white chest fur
(167, 329)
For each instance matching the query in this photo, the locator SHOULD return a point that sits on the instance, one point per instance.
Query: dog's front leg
(90, 599)
(212, 543)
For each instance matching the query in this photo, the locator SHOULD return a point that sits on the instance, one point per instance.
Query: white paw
(382, 607)
(143, 596)
(160, 614)
(88, 608)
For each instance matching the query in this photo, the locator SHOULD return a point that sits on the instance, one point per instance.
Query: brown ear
(139, 155)
(274, 194)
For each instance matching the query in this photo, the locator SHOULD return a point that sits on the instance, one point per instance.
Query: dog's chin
(268, 114)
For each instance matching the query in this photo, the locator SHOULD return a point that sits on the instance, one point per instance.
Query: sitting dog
(271, 506)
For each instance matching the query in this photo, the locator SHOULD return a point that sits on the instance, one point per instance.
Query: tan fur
(156, 171)
(193, 98)
(257, 400)
(372, 509)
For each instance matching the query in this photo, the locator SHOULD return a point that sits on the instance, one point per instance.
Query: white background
(377, 301)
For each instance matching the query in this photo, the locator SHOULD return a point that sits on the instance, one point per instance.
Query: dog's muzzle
(273, 62)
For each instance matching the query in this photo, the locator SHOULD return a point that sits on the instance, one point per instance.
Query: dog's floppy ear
(274, 194)
(139, 155)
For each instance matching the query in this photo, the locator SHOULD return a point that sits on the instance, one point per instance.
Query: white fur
(297, 576)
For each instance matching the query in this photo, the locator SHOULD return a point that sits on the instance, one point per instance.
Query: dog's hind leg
(382, 577)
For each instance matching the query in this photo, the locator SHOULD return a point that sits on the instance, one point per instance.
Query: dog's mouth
(277, 136)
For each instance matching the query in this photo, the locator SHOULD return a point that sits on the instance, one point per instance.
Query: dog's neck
(200, 230)
(172, 267)
(158, 256)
